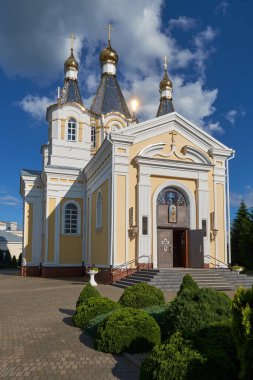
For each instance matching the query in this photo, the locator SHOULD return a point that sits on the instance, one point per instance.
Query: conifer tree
(20, 259)
(7, 259)
(14, 261)
(241, 239)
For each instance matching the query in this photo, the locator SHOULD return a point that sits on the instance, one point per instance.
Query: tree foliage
(242, 237)
(142, 295)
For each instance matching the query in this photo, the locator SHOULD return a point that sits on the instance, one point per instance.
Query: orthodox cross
(109, 27)
(165, 244)
(173, 133)
(166, 60)
(72, 38)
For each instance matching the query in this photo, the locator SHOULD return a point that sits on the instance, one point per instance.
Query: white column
(144, 209)
(203, 210)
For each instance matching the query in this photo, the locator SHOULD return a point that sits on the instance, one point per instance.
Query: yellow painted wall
(51, 229)
(99, 237)
(120, 227)
(221, 255)
(71, 246)
(28, 231)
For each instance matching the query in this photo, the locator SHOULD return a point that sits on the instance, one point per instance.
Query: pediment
(174, 122)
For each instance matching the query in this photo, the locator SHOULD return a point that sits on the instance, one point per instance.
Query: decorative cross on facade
(109, 27)
(72, 38)
(165, 244)
(173, 133)
(166, 60)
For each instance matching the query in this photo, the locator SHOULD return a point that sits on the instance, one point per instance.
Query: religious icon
(172, 214)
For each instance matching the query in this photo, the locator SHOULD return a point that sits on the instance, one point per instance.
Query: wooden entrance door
(196, 248)
(164, 248)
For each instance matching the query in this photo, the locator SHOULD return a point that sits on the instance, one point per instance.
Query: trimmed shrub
(242, 325)
(159, 314)
(216, 344)
(93, 324)
(127, 329)
(87, 292)
(188, 284)
(192, 311)
(174, 360)
(93, 307)
(142, 295)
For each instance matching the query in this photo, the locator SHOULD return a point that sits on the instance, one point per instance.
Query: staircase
(171, 279)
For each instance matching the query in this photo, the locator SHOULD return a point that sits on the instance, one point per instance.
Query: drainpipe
(228, 209)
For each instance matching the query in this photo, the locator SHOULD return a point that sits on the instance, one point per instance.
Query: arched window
(72, 130)
(93, 137)
(171, 196)
(71, 219)
(99, 210)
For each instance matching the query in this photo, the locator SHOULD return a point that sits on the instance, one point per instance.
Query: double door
(180, 248)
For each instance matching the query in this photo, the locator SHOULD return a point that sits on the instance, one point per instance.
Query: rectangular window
(93, 137)
(144, 225)
(204, 226)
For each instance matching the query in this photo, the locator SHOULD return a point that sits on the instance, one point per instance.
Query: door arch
(191, 206)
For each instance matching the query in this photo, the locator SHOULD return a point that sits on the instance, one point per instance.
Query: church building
(117, 193)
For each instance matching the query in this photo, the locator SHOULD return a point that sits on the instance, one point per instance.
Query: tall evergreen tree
(241, 238)
(7, 259)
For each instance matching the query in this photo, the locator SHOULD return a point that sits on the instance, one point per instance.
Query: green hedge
(174, 360)
(194, 310)
(127, 329)
(242, 311)
(87, 292)
(93, 307)
(141, 295)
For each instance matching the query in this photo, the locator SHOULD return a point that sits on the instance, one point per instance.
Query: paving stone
(38, 340)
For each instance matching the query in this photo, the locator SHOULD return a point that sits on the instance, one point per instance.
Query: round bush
(93, 307)
(87, 292)
(142, 295)
(192, 311)
(173, 360)
(159, 314)
(127, 329)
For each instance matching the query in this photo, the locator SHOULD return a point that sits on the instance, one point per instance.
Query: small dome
(165, 83)
(71, 62)
(108, 55)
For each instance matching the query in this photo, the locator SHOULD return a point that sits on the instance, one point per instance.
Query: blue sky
(210, 64)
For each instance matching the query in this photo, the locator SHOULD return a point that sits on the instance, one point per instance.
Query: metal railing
(221, 264)
(135, 261)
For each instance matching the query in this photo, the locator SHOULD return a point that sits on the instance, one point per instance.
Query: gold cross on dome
(173, 133)
(72, 38)
(110, 28)
(165, 64)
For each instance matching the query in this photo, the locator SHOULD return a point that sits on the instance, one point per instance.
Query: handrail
(125, 265)
(219, 261)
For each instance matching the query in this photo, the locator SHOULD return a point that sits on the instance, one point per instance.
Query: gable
(171, 145)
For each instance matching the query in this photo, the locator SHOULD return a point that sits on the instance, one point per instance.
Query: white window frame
(93, 137)
(64, 219)
(99, 210)
(73, 129)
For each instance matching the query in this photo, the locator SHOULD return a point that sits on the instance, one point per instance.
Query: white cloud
(182, 22)
(246, 196)
(36, 105)
(35, 45)
(222, 7)
(9, 200)
(231, 116)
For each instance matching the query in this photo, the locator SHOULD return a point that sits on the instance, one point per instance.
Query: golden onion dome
(165, 83)
(108, 55)
(71, 62)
